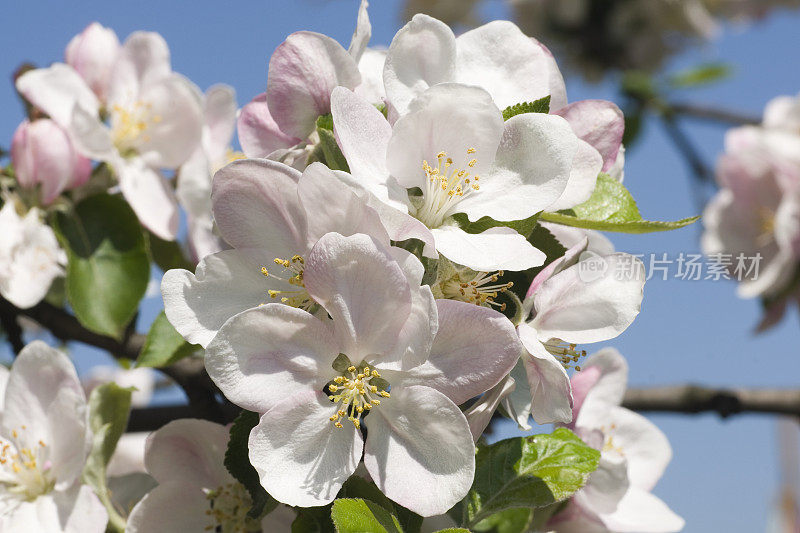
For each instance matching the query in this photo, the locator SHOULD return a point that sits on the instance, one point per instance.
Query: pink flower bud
(43, 155)
(93, 53)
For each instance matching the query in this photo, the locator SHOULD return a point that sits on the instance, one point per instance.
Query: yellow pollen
(479, 288)
(444, 187)
(357, 394)
(567, 354)
(295, 298)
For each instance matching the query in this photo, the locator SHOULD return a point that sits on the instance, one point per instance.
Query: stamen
(445, 186)
(357, 394)
(567, 354)
(479, 288)
(297, 298)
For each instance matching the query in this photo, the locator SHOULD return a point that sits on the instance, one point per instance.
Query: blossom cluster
(374, 279)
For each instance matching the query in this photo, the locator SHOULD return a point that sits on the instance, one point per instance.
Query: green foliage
(238, 464)
(167, 254)
(108, 267)
(109, 408)
(334, 158)
(611, 208)
(508, 521)
(542, 105)
(358, 487)
(363, 516)
(164, 346)
(527, 472)
(700, 75)
(523, 227)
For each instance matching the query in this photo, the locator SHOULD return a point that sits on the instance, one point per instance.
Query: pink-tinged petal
(224, 284)
(422, 54)
(460, 120)
(75, 510)
(363, 289)
(641, 511)
(417, 335)
(175, 506)
(189, 451)
(362, 34)
(551, 394)
(220, 120)
(256, 206)
(592, 301)
(530, 172)
(301, 458)
(474, 348)
(499, 248)
(603, 377)
(480, 413)
(569, 258)
(91, 136)
(45, 402)
(303, 72)
(262, 355)
(586, 165)
(500, 58)
(259, 134)
(150, 196)
(143, 61)
(518, 403)
(598, 122)
(574, 519)
(363, 135)
(333, 206)
(569, 237)
(783, 112)
(56, 90)
(93, 53)
(407, 435)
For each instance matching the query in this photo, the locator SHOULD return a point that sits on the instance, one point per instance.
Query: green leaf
(453, 530)
(330, 149)
(542, 105)
(358, 487)
(636, 226)
(167, 254)
(700, 75)
(238, 464)
(523, 227)
(164, 346)
(527, 472)
(313, 520)
(108, 267)
(363, 516)
(109, 408)
(508, 521)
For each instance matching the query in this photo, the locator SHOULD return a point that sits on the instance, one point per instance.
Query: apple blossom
(43, 156)
(634, 454)
(454, 147)
(390, 357)
(271, 215)
(44, 441)
(155, 121)
(93, 54)
(30, 258)
(195, 492)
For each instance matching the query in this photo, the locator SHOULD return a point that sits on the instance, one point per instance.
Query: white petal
(603, 377)
(259, 135)
(422, 54)
(590, 302)
(586, 164)
(452, 118)
(144, 60)
(606, 486)
(92, 138)
(499, 248)
(363, 289)
(598, 122)
(262, 355)
(518, 404)
(56, 91)
(76, 510)
(173, 507)
(301, 458)
(220, 119)
(408, 435)
(150, 197)
(480, 413)
(551, 394)
(360, 39)
(642, 512)
(530, 172)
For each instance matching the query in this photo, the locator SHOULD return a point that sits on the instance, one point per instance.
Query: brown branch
(693, 399)
(713, 114)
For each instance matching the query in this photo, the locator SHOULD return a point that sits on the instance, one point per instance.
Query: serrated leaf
(700, 75)
(528, 472)
(107, 263)
(634, 227)
(542, 105)
(109, 408)
(164, 345)
(358, 487)
(238, 464)
(334, 158)
(363, 516)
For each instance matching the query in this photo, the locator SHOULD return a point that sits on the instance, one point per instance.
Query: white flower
(155, 121)
(141, 378)
(390, 357)
(634, 454)
(30, 258)
(453, 147)
(269, 213)
(44, 441)
(195, 492)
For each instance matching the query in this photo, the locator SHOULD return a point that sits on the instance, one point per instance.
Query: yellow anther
(471, 150)
(333, 388)
(265, 271)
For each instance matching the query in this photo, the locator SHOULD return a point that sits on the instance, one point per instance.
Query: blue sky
(724, 476)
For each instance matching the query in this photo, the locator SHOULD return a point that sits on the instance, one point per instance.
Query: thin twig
(693, 399)
(714, 114)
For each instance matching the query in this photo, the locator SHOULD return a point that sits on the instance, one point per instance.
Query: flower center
(295, 298)
(766, 226)
(355, 394)
(228, 506)
(566, 353)
(479, 288)
(25, 470)
(129, 124)
(445, 186)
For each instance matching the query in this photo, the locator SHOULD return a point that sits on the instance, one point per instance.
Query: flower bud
(43, 155)
(93, 53)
